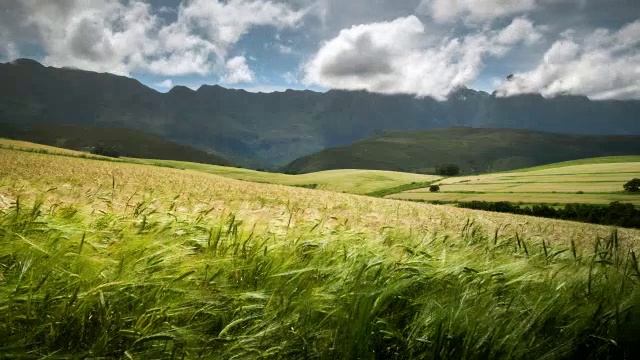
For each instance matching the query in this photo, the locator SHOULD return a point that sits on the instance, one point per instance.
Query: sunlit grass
(593, 183)
(352, 181)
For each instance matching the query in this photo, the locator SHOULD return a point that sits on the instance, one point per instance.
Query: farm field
(595, 183)
(29, 146)
(120, 260)
(347, 180)
(595, 160)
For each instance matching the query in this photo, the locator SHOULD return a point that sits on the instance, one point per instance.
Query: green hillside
(129, 143)
(474, 150)
(342, 180)
(345, 180)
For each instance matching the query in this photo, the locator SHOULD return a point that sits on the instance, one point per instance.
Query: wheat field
(596, 183)
(118, 260)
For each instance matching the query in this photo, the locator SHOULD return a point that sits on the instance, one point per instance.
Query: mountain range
(269, 130)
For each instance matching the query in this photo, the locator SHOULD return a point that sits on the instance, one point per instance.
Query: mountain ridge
(269, 130)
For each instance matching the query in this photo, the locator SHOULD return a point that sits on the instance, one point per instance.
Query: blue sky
(418, 47)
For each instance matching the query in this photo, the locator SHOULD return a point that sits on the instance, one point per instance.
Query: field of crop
(29, 146)
(595, 160)
(116, 260)
(349, 181)
(596, 183)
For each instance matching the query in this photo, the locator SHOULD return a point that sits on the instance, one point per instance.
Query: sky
(418, 47)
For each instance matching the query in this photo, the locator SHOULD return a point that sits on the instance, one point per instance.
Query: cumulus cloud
(601, 65)
(399, 57)
(237, 71)
(444, 11)
(121, 37)
(8, 50)
(166, 84)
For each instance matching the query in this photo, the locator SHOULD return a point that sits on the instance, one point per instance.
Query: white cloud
(124, 37)
(237, 71)
(166, 84)
(602, 65)
(520, 30)
(228, 21)
(8, 50)
(451, 10)
(399, 57)
(444, 11)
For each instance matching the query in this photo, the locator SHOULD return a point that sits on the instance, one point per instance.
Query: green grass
(115, 260)
(401, 188)
(346, 180)
(349, 181)
(138, 285)
(595, 182)
(596, 160)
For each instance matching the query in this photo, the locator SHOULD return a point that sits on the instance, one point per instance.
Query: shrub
(434, 188)
(616, 213)
(632, 186)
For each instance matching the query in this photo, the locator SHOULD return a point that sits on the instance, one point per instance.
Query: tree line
(616, 213)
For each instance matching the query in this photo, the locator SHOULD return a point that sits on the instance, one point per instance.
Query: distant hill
(474, 150)
(126, 142)
(271, 130)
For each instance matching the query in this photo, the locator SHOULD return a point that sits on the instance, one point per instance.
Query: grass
(118, 260)
(346, 180)
(596, 160)
(595, 183)
(349, 181)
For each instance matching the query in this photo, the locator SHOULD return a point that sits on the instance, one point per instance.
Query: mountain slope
(474, 150)
(130, 143)
(270, 130)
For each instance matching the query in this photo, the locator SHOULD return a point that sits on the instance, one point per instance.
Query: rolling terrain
(344, 180)
(126, 142)
(118, 260)
(349, 181)
(270, 130)
(473, 150)
(595, 181)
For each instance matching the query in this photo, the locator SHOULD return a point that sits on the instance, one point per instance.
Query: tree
(434, 188)
(632, 186)
(448, 170)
